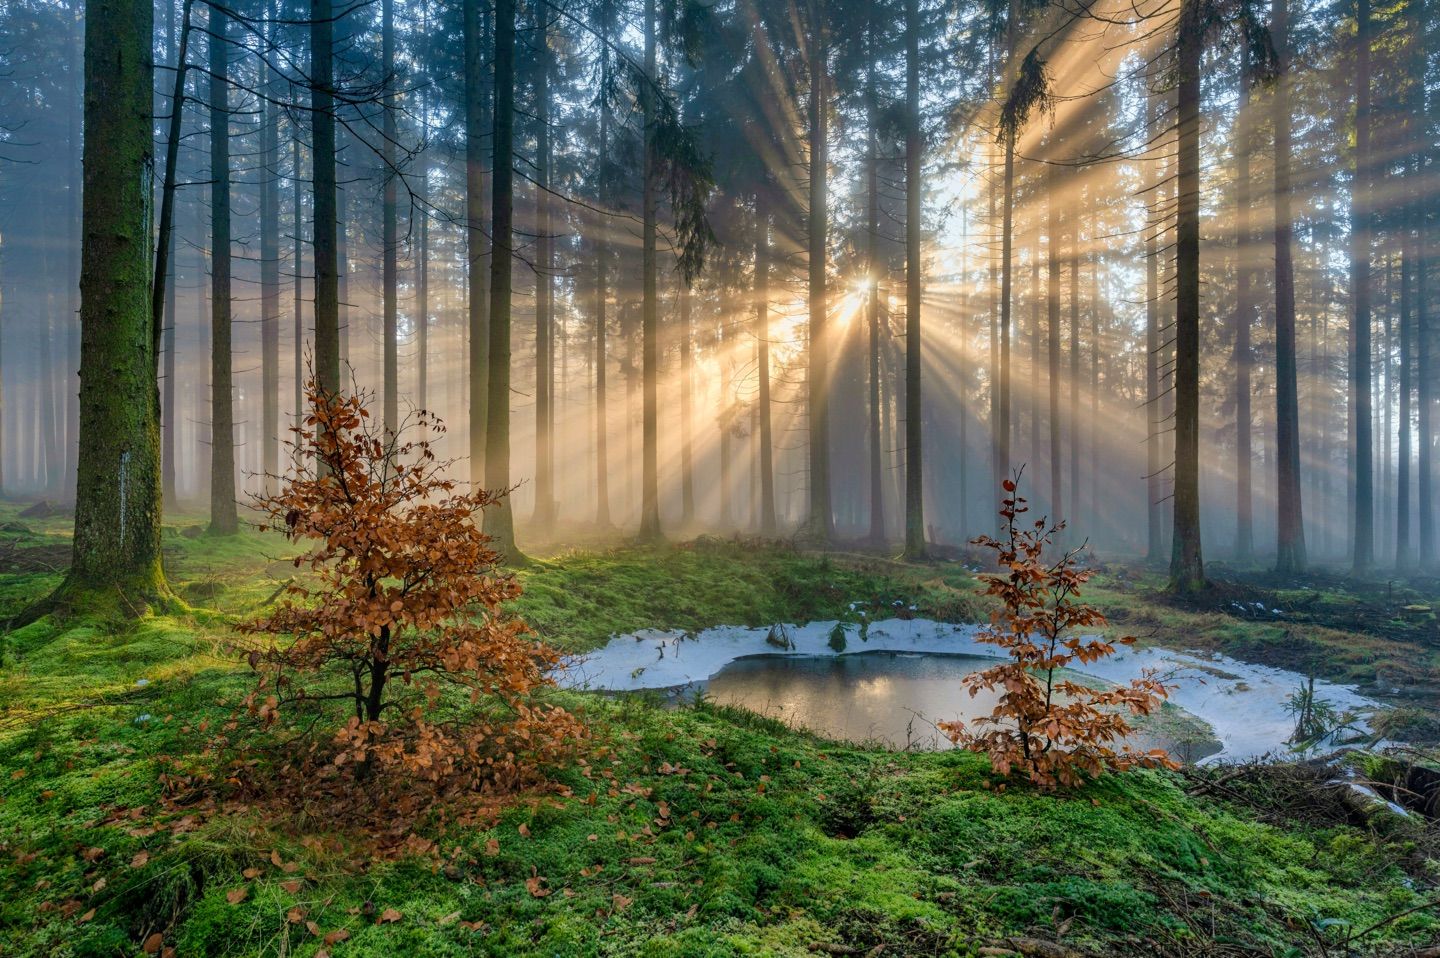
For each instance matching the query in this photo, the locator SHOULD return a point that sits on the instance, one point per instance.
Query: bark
(1154, 523)
(499, 521)
(1290, 531)
(1052, 338)
(649, 319)
(914, 416)
(326, 214)
(480, 298)
(544, 286)
(1002, 430)
(872, 305)
(602, 294)
(163, 286)
(223, 517)
(1187, 568)
(390, 243)
(762, 348)
(1244, 316)
(269, 278)
(116, 551)
(1361, 402)
(820, 525)
(687, 425)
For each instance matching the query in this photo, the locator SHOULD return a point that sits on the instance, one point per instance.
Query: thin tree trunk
(1290, 531)
(1154, 521)
(1052, 306)
(602, 294)
(544, 286)
(649, 319)
(1361, 403)
(1187, 568)
(269, 277)
(390, 241)
(1002, 428)
(478, 309)
(163, 310)
(326, 214)
(820, 525)
(687, 402)
(1243, 319)
(499, 520)
(762, 372)
(914, 416)
(298, 257)
(223, 517)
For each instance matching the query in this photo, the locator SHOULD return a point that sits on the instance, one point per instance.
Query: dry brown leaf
(388, 916)
(236, 895)
(153, 943)
(524, 830)
(295, 915)
(293, 886)
(620, 901)
(87, 916)
(140, 859)
(337, 936)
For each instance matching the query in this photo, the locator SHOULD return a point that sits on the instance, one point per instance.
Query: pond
(831, 680)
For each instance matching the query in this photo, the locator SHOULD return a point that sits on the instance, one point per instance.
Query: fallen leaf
(251, 872)
(337, 936)
(524, 830)
(236, 895)
(153, 943)
(140, 859)
(532, 884)
(293, 886)
(449, 919)
(620, 901)
(295, 915)
(492, 847)
(88, 915)
(388, 916)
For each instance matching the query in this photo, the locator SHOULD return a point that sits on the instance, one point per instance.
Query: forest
(719, 477)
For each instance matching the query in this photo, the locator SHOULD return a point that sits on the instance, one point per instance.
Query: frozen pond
(807, 675)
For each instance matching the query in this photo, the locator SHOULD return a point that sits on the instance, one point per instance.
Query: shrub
(1057, 731)
(404, 608)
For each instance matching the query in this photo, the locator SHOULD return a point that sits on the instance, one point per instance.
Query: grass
(698, 831)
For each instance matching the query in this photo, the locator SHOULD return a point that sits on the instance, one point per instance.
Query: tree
(1058, 731)
(405, 608)
(481, 299)
(116, 560)
(1290, 532)
(269, 260)
(499, 521)
(326, 213)
(1187, 567)
(223, 517)
(914, 409)
(820, 525)
(1361, 403)
(1244, 316)
(390, 241)
(649, 319)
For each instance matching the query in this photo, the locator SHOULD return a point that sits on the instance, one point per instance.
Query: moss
(724, 833)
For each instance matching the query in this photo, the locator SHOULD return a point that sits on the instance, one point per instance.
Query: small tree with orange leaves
(404, 610)
(1058, 731)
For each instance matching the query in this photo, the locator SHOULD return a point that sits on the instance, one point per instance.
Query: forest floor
(727, 833)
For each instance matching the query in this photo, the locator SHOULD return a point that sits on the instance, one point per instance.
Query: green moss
(722, 833)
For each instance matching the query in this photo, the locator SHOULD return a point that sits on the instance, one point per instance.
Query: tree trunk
(544, 286)
(478, 308)
(223, 517)
(116, 552)
(269, 277)
(163, 310)
(1187, 568)
(1002, 430)
(1052, 342)
(322, 161)
(1290, 531)
(1362, 464)
(914, 417)
(602, 294)
(762, 373)
(390, 240)
(1244, 318)
(649, 320)
(499, 520)
(1154, 521)
(820, 525)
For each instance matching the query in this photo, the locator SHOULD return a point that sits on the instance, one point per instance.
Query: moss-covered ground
(702, 831)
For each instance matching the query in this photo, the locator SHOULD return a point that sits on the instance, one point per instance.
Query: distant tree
(223, 517)
(1361, 402)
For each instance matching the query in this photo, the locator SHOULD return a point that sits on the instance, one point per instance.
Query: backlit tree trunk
(223, 517)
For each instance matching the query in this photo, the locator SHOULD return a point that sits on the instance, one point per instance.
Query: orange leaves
(405, 604)
(1060, 732)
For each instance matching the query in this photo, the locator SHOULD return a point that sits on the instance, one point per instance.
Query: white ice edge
(1243, 703)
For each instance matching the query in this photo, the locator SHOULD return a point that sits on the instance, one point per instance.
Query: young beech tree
(1058, 731)
(405, 605)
